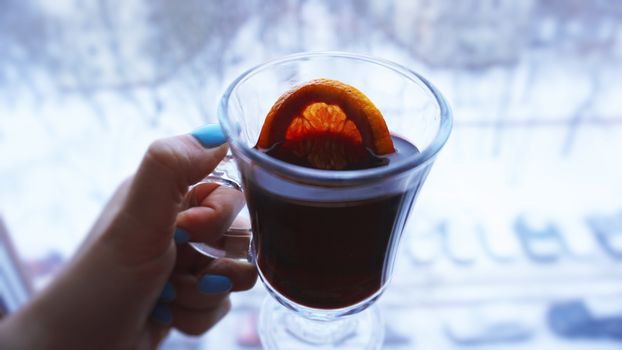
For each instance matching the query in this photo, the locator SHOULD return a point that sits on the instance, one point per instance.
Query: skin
(104, 297)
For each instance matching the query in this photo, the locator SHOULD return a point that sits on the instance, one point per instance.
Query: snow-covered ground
(527, 192)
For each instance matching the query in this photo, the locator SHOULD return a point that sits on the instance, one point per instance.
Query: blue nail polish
(168, 292)
(214, 284)
(161, 313)
(181, 236)
(210, 135)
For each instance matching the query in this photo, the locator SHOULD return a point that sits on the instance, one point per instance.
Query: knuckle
(194, 330)
(226, 307)
(162, 153)
(166, 158)
(248, 282)
(218, 208)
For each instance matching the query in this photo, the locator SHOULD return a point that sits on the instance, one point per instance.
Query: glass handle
(226, 174)
(235, 242)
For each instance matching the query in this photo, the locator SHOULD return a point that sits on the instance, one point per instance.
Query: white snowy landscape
(519, 223)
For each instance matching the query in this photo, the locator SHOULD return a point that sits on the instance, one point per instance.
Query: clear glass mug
(324, 241)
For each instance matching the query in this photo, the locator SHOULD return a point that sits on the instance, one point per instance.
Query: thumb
(168, 168)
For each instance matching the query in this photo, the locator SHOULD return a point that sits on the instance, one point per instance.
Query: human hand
(130, 282)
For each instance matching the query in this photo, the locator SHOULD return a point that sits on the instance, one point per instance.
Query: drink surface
(327, 255)
(351, 156)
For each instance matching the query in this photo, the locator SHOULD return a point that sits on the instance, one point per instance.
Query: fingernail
(214, 284)
(210, 135)
(168, 292)
(161, 313)
(181, 236)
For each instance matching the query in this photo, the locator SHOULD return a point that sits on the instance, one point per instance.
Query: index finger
(216, 209)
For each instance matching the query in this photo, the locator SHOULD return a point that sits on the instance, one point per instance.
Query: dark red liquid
(327, 255)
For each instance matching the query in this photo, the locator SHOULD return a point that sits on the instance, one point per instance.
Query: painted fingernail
(168, 292)
(210, 135)
(181, 236)
(214, 284)
(161, 313)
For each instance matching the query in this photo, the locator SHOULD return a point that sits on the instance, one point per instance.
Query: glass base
(282, 328)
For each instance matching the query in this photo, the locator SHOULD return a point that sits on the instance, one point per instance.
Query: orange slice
(325, 124)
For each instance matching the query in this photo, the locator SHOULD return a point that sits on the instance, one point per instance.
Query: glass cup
(324, 241)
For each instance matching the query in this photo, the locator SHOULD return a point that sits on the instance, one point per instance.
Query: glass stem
(319, 332)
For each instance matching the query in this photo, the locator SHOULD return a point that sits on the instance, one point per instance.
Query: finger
(217, 208)
(168, 168)
(198, 193)
(243, 275)
(193, 322)
(234, 243)
(200, 293)
(156, 192)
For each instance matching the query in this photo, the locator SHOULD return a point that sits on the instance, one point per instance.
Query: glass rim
(337, 177)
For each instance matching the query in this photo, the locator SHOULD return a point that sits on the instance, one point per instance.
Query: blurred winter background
(518, 237)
